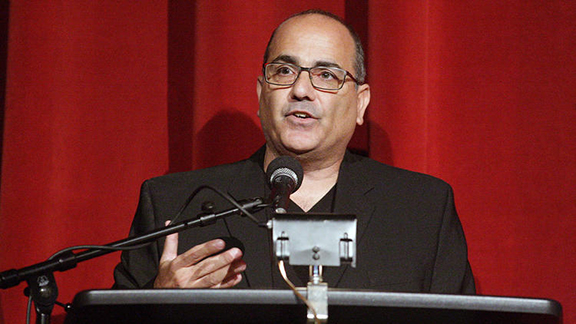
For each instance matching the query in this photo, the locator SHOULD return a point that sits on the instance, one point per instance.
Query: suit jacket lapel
(250, 182)
(351, 192)
(351, 198)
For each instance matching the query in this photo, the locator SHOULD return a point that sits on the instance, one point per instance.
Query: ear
(259, 81)
(363, 99)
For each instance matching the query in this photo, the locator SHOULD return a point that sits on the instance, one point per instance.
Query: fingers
(230, 281)
(170, 251)
(217, 262)
(234, 275)
(213, 276)
(200, 252)
(200, 267)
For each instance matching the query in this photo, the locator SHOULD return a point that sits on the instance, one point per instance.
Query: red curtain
(101, 95)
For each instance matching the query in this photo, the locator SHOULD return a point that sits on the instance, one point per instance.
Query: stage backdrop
(101, 95)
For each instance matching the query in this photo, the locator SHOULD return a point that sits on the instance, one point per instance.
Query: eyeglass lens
(321, 77)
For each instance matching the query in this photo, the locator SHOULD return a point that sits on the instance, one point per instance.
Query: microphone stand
(40, 277)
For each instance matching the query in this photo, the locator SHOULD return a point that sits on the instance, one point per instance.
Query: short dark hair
(359, 60)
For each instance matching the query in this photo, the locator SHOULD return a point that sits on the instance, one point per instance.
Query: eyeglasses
(321, 77)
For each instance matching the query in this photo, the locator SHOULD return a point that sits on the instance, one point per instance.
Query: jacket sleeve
(452, 272)
(138, 268)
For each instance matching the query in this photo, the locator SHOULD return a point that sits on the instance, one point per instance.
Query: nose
(302, 89)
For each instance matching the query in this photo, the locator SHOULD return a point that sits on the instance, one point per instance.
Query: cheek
(343, 121)
(264, 106)
(270, 105)
(266, 115)
(343, 112)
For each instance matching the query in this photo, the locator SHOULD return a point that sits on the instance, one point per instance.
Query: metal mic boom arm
(13, 277)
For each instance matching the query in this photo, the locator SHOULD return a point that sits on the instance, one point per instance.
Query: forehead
(310, 39)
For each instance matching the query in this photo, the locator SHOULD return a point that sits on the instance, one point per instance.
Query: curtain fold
(103, 95)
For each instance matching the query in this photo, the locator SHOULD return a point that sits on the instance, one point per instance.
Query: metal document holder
(315, 240)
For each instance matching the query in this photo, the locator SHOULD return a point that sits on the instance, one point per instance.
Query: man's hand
(196, 268)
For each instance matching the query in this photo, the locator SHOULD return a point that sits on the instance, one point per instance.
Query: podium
(281, 306)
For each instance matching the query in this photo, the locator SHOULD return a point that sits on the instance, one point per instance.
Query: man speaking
(311, 97)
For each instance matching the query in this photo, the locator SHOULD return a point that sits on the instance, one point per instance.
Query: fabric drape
(101, 95)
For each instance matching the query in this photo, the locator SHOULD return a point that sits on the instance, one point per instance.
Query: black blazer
(409, 236)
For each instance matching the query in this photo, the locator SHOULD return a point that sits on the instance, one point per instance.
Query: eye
(284, 70)
(325, 74)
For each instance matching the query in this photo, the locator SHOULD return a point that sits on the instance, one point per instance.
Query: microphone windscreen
(282, 164)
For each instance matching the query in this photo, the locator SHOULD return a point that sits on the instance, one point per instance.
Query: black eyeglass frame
(307, 69)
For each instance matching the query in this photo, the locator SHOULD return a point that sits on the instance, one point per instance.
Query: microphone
(285, 175)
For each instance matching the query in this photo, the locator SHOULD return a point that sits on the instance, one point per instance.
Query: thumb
(170, 251)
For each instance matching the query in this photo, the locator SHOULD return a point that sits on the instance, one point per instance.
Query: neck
(320, 175)
(312, 163)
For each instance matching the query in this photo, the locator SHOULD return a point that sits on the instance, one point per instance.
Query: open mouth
(302, 115)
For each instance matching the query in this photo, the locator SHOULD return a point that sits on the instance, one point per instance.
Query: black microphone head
(285, 166)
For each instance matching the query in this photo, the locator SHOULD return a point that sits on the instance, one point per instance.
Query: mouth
(300, 115)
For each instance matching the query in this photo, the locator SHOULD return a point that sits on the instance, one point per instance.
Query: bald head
(320, 15)
(313, 123)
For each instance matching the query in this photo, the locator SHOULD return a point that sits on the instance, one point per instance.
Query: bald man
(311, 95)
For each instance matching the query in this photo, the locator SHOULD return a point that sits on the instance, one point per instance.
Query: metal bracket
(315, 239)
(317, 294)
(281, 247)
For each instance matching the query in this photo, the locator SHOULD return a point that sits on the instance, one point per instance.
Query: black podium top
(281, 306)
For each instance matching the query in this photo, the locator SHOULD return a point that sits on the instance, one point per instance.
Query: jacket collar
(250, 181)
(352, 190)
(352, 198)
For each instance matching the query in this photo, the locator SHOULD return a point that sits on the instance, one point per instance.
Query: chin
(295, 151)
(300, 147)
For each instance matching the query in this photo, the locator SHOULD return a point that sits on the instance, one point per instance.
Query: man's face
(299, 119)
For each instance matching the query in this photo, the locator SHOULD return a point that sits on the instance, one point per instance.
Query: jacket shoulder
(384, 174)
(216, 176)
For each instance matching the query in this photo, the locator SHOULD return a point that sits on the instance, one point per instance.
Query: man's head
(301, 119)
(359, 67)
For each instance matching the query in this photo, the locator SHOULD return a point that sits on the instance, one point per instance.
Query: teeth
(301, 115)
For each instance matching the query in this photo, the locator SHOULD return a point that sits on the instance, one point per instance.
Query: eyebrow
(292, 60)
(286, 59)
